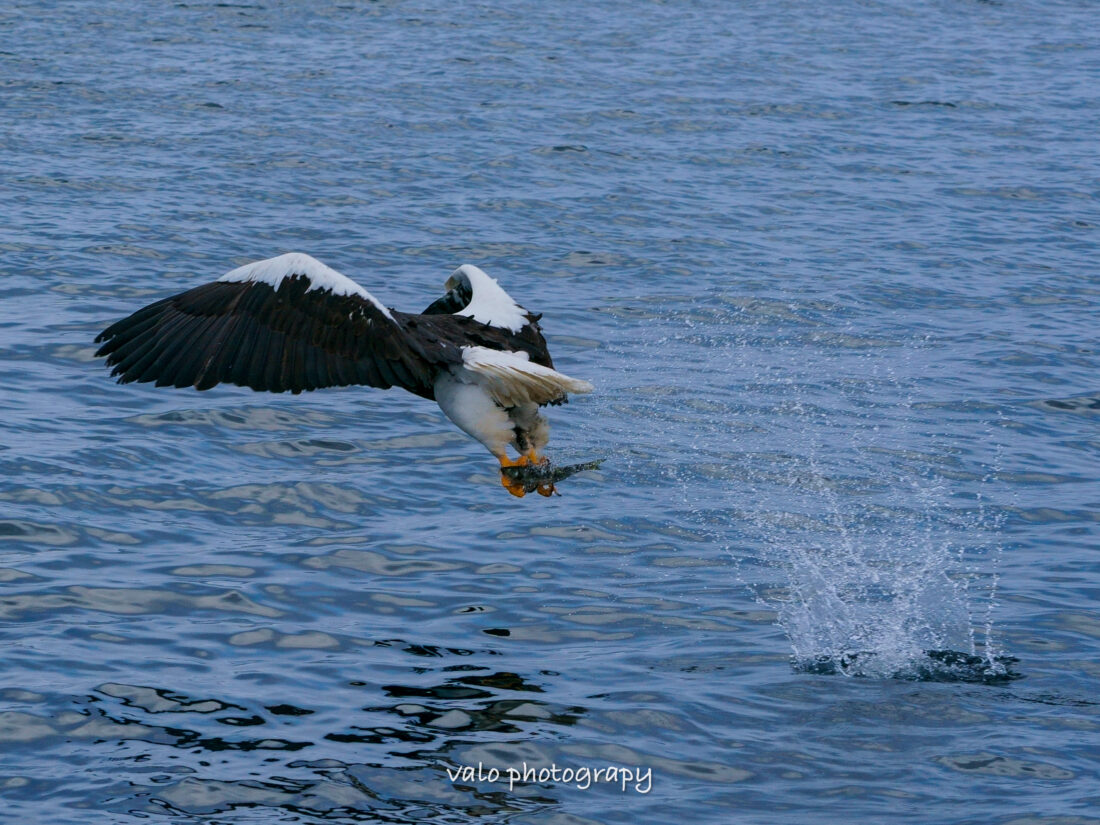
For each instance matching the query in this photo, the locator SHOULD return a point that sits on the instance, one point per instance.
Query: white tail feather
(512, 379)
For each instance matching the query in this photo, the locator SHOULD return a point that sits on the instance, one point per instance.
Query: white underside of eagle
(290, 323)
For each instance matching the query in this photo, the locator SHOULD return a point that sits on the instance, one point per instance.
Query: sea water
(832, 269)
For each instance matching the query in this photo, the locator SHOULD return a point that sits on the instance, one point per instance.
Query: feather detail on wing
(287, 323)
(511, 378)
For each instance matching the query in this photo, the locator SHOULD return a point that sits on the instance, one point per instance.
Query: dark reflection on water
(424, 728)
(935, 666)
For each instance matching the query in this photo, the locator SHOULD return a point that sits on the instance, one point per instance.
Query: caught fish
(541, 478)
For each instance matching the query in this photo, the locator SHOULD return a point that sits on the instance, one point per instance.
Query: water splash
(852, 510)
(884, 571)
(893, 600)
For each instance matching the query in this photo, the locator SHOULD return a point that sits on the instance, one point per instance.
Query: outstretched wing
(286, 323)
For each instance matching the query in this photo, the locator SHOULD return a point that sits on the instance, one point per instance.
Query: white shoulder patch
(272, 271)
(490, 304)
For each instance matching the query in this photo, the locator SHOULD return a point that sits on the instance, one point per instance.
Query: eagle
(291, 323)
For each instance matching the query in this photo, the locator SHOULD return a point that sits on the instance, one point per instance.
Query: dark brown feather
(296, 338)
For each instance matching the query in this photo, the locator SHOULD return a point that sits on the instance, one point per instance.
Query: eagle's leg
(532, 432)
(470, 406)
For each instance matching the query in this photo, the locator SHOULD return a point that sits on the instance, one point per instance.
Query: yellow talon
(512, 485)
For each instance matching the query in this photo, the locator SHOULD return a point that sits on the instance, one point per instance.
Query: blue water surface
(833, 270)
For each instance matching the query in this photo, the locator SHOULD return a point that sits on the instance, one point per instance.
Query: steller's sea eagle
(292, 323)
